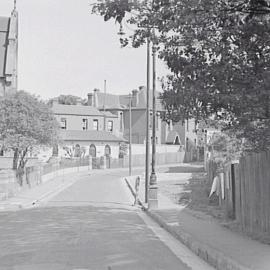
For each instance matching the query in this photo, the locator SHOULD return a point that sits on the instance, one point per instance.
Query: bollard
(137, 185)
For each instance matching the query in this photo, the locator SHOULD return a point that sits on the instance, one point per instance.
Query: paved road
(91, 225)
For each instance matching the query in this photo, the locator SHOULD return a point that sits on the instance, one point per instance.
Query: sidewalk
(32, 196)
(217, 245)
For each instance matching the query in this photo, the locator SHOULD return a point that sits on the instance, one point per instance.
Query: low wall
(8, 184)
(37, 175)
(161, 159)
(138, 149)
(7, 162)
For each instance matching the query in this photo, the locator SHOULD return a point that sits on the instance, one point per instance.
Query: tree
(68, 100)
(218, 53)
(25, 122)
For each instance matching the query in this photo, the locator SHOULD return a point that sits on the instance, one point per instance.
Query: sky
(64, 49)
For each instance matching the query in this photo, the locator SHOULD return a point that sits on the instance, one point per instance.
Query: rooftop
(110, 100)
(171, 138)
(76, 110)
(89, 135)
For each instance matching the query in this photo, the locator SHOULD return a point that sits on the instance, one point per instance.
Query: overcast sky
(64, 49)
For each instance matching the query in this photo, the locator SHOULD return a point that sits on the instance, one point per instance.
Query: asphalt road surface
(92, 225)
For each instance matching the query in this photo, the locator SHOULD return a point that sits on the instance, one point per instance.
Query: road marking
(179, 249)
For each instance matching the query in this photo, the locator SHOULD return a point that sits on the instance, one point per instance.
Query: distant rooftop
(75, 110)
(112, 101)
(109, 100)
(89, 135)
(172, 137)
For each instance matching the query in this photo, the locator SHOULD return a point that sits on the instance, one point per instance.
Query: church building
(8, 53)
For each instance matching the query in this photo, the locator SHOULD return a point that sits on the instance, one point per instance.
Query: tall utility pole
(147, 124)
(130, 135)
(152, 200)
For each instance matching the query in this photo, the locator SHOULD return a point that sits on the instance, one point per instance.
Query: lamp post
(130, 135)
(152, 200)
(147, 150)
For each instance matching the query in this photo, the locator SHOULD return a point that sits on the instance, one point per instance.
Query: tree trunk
(15, 159)
(22, 163)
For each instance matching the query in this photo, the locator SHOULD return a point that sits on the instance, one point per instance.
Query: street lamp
(147, 150)
(152, 199)
(130, 135)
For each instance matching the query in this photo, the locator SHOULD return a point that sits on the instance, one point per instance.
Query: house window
(95, 124)
(121, 121)
(107, 150)
(77, 150)
(85, 124)
(63, 123)
(110, 126)
(150, 120)
(157, 120)
(92, 150)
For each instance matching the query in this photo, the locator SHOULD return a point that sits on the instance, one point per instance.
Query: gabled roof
(110, 100)
(172, 137)
(109, 114)
(4, 31)
(89, 135)
(75, 110)
(124, 100)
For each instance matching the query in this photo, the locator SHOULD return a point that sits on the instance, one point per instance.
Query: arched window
(92, 150)
(77, 151)
(177, 140)
(107, 150)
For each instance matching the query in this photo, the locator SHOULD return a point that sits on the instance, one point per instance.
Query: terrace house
(88, 131)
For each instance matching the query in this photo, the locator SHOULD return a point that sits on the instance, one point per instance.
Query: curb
(213, 257)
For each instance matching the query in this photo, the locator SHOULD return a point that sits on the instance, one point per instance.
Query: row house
(87, 131)
(101, 126)
(182, 133)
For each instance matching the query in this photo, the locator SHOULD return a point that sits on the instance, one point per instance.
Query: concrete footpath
(217, 245)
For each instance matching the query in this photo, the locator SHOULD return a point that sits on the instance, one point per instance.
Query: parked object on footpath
(215, 187)
(137, 186)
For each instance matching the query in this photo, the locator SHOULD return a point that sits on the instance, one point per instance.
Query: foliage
(225, 146)
(67, 99)
(219, 56)
(25, 122)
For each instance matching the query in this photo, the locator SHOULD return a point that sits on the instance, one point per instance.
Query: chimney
(90, 99)
(55, 101)
(135, 98)
(95, 98)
